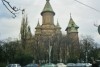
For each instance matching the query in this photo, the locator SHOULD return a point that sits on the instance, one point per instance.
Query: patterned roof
(47, 7)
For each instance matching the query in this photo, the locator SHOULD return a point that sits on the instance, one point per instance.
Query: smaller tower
(72, 32)
(72, 27)
(73, 39)
(38, 29)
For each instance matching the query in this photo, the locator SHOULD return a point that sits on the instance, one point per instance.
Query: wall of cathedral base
(73, 43)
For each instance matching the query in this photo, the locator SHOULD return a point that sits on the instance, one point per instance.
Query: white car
(49, 65)
(79, 65)
(61, 65)
(13, 65)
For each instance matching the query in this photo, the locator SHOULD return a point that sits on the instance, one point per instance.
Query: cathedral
(49, 29)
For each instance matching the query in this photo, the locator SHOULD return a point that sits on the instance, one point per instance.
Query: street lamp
(50, 49)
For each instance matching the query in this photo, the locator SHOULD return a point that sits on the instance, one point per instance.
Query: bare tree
(12, 9)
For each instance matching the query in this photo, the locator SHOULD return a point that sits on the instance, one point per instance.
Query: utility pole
(86, 52)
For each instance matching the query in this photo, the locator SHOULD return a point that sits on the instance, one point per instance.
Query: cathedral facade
(49, 29)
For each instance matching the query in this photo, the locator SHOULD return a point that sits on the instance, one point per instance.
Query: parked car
(13, 65)
(71, 65)
(49, 65)
(61, 65)
(79, 65)
(32, 65)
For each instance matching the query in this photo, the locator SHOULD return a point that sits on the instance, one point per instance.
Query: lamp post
(50, 48)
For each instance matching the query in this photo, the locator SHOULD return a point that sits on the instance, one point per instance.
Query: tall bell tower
(48, 27)
(72, 38)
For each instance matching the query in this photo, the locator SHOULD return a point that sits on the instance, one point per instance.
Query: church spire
(72, 26)
(38, 25)
(71, 22)
(57, 23)
(38, 29)
(47, 8)
(58, 26)
(58, 29)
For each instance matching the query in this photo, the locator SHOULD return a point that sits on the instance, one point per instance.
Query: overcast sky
(83, 16)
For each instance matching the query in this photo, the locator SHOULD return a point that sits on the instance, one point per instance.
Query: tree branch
(8, 5)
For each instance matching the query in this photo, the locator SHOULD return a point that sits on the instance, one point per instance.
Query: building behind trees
(50, 34)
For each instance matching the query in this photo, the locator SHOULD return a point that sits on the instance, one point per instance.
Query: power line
(88, 6)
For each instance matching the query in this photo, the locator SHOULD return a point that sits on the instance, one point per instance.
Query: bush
(2, 65)
(23, 59)
(72, 60)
